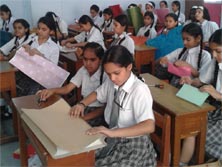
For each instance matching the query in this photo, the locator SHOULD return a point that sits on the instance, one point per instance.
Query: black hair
(154, 5)
(54, 18)
(84, 19)
(216, 37)
(192, 14)
(26, 25)
(150, 14)
(99, 52)
(172, 15)
(109, 12)
(177, 3)
(50, 24)
(165, 2)
(132, 5)
(96, 8)
(194, 30)
(120, 55)
(5, 8)
(122, 20)
(206, 14)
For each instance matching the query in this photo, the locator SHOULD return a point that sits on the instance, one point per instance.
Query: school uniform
(181, 18)
(107, 25)
(27, 86)
(94, 35)
(144, 29)
(155, 19)
(125, 40)
(135, 102)
(13, 44)
(7, 25)
(214, 126)
(98, 20)
(62, 26)
(191, 57)
(208, 28)
(88, 85)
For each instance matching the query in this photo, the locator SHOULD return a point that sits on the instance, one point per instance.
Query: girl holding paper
(192, 56)
(212, 76)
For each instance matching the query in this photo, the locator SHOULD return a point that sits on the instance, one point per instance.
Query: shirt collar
(96, 75)
(220, 66)
(128, 84)
(121, 36)
(194, 50)
(48, 41)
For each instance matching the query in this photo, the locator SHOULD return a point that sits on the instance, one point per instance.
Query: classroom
(111, 83)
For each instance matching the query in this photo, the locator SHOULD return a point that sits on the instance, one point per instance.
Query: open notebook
(60, 134)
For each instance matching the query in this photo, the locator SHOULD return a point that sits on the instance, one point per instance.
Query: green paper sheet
(192, 94)
(135, 17)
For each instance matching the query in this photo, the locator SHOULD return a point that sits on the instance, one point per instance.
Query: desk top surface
(143, 47)
(71, 56)
(167, 98)
(5, 66)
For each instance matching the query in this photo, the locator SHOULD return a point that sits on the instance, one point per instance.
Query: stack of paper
(179, 71)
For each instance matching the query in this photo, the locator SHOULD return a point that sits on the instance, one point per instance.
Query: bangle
(81, 103)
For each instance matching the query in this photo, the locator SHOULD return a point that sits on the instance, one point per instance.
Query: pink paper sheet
(39, 69)
(179, 71)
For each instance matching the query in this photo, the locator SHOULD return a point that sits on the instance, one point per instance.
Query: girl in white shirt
(89, 78)
(203, 18)
(96, 15)
(176, 7)
(211, 82)
(90, 33)
(121, 37)
(108, 20)
(128, 113)
(8, 19)
(21, 28)
(41, 45)
(148, 30)
(150, 6)
(192, 55)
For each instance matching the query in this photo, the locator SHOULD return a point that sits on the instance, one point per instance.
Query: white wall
(32, 10)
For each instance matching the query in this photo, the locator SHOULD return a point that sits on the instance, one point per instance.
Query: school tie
(85, 40)
(115, 42)
(115, 109)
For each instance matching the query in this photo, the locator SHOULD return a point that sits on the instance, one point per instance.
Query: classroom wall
(32, 10)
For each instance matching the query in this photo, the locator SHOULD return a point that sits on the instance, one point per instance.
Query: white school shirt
(98, 20)
(49, 49)
(88, 83)
(8, 25)
(135, 98)
(93, 36)
(127, 42)
(155, 19)
(208, 28)
(208, 75)
(7, 48)
(181, 18)
(192, 57)
(62, 26)
(108, 25)
(143, 29)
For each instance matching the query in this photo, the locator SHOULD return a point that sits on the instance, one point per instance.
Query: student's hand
(35, 51)
(63, 42)
(185, 80)
(180, 63)
(211, 90)
(79, 52)
(44, 94)
(77, 111)
(2, 58)
(100, 129)
(164, 61)
(69, 45)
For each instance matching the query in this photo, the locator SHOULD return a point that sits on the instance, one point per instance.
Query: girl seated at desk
(150, 6)
(176, 8)
(22, 37)
(89, 78)
(128, 112)
(96, 15)
(191, 56)
(41, 45)
(212, 76)
(90, 33)
(107, 25)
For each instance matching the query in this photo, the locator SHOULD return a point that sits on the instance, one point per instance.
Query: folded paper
(39, 69)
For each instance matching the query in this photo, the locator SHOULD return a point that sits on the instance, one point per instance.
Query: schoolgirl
(163, 4)
(128, 113)
(121, 37)
(192, 55)
(150, 6)
(90, 33)
(176, 7)
(96, 15)
(108, 20)
(148, 30)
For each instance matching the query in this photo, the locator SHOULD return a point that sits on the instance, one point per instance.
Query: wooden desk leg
(22, 143)
(201, 139)
(176, 142)
(152, 63)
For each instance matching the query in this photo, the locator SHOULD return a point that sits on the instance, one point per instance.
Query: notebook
(59, 133)
(192, 94)
(179, 71)
(67, 50)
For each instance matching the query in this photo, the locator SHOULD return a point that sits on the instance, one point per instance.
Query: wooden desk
(83, 159)
(74, 29)
(144, 55)
(187, 119)
(8, 85)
